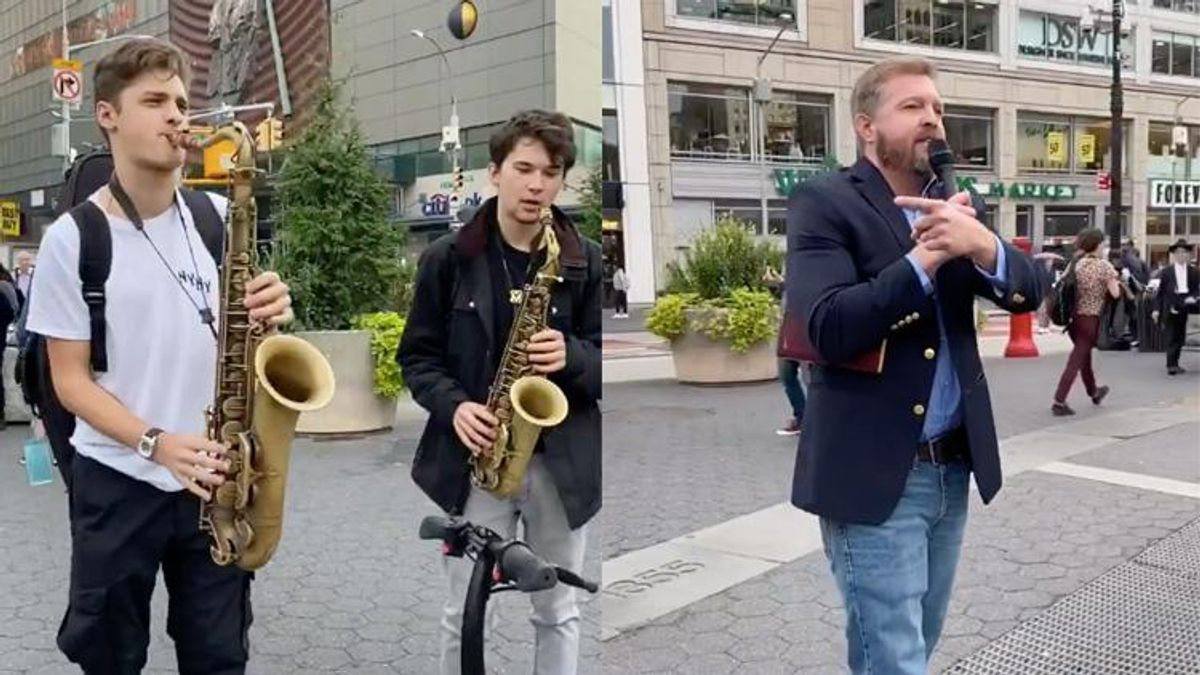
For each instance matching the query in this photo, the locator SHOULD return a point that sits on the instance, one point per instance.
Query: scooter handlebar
(435, 527)
(525, 570)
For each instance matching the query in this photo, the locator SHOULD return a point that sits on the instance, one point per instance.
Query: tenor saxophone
(524, 403)
(264, 381)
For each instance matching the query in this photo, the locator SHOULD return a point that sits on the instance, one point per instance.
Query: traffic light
(269, 134)
(458, 180)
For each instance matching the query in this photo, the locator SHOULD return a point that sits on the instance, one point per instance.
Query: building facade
(521, 55)
(1026, 89)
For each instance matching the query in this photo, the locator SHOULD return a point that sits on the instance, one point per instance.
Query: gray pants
(555, 616)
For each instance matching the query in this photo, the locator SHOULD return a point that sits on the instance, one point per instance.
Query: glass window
(710, 121)
(611, 160)
(476, 156)
(1093, 141)
(1158, 222)
(1182, 47)
(1175, 54)
(797, 127)
(755, 12)
(1042, 144)
(1024, 220)
(748, 211)
(1124, 222)
(936, 23)
(969, 133)
(1066, 221)
(1195, 229)
(1160, 53)
(1190, 6)
(607, 68)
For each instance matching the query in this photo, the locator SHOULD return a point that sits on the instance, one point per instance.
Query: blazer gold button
(918, 410)
(929, 354)
(1018, 298)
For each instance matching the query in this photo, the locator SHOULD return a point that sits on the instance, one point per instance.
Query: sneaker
(1101, 392)
(1175, 370)
(792, 428)
(1061, 409)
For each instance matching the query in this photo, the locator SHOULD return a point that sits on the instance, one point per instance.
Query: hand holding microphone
(949, 228)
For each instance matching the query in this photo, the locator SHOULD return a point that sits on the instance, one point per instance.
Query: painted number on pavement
(645, 580)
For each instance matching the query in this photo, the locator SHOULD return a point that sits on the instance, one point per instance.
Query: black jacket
(847, 275)
(1168, 297)
(446, 358)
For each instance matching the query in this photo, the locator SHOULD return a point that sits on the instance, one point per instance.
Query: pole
(1117, 145)
(762, 97)
(66, 107)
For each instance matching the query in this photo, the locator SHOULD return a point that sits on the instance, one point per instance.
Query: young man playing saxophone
(454, 340)
(140, 424)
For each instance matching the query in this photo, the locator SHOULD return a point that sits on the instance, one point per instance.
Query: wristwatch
(149, 442)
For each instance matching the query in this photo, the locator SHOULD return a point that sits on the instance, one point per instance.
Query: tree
(336, 247)
(591, 218)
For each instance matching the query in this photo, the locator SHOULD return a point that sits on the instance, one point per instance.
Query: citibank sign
(1184, 194)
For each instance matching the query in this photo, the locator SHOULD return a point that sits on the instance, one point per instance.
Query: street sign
(68, 81)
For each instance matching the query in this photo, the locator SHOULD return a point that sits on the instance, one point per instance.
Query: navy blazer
(847, 275)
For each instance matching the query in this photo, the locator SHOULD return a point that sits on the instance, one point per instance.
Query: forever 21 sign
(1184, 194)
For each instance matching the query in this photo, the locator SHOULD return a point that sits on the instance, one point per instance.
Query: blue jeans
(789, 374)
(895, 578)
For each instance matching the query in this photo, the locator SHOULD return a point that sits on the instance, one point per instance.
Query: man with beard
(879, 266)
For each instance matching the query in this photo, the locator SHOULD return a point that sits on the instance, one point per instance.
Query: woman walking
(1095, 278)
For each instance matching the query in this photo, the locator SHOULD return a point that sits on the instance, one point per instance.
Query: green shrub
(386, 329)
(721, 276)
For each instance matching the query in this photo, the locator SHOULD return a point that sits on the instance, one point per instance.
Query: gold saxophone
(524, 403)
(255, 418)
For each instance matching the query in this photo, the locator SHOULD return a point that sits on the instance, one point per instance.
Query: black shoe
(1101, 392)
(1061, 409)
(1175, 370)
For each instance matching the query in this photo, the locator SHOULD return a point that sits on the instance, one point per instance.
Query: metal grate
(1140, 618)
(1178, 553)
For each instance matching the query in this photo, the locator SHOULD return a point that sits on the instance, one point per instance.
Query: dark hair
(118, 69)
(1089, 240)
(552, 129)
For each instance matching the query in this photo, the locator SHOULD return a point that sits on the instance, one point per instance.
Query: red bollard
(1020, 326)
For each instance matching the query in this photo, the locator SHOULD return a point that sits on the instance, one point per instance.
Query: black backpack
(87, 175)
(1061, 298)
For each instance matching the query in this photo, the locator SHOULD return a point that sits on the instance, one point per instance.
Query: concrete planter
(355, 407)
(701, 360)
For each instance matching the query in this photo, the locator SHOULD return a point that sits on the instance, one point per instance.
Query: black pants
(122, 530)
(1176, 332)
(622, 303)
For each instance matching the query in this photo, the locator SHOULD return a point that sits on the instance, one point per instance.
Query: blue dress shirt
(944, 411)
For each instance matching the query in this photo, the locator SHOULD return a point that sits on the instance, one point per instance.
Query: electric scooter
(500, 565)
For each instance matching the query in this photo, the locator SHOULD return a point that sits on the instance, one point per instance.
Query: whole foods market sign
(1184, 194)
(1041, 191)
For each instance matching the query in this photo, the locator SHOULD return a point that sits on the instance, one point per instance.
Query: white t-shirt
(1181, 284)
(161, 357)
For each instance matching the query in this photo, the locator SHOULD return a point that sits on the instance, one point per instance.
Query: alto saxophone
(524, 403)
(264, 381)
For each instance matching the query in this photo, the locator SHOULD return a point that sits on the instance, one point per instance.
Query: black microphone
(941, 160)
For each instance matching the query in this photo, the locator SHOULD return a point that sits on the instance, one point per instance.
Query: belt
(945, 448)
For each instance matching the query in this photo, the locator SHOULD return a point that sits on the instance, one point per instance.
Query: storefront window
(797, 127)
(611, 159)
(1167, 160)
(709, 121)
(1175, 54)
(969, 133)
(1025, 220)
(935, 23)
(1042, 144)
(1158, 222)
(1066, 221)
(1124, 222)
(1050, 144)
(762, 12)
(1059, 38)
(748, 211)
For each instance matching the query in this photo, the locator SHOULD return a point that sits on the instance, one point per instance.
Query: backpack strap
(95, 262)
(209, 223)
